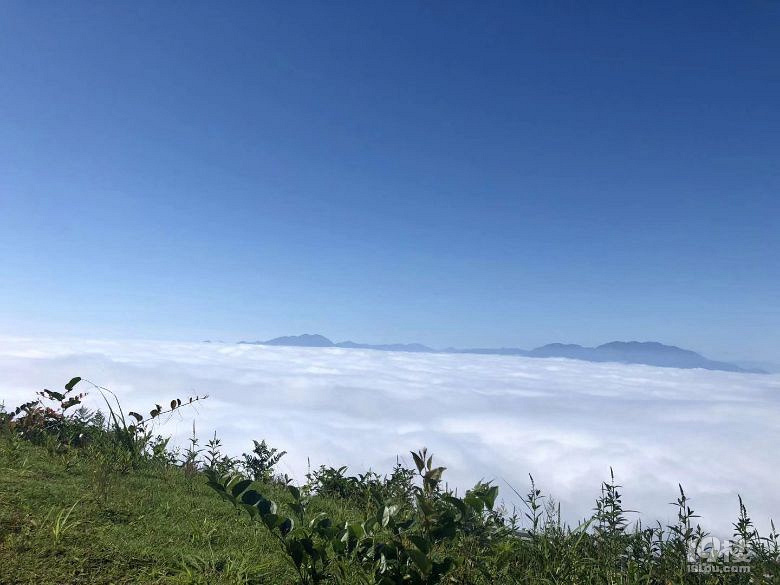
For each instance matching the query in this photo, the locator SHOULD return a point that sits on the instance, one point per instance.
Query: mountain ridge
(651, 353)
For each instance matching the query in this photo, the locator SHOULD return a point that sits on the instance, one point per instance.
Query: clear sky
(469, 174)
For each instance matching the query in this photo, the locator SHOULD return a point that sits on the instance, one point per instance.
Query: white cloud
(494, 417)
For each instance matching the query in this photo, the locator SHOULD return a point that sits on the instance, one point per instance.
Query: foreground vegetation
(99, 497)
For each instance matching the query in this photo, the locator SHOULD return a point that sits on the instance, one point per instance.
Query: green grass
(154, 526)
(88, 498)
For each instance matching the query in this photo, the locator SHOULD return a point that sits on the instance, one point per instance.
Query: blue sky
(450, 173)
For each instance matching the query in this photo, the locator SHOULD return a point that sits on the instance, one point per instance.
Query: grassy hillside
(145, 526)
(99, 498)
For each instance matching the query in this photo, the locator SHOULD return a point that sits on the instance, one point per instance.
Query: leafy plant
(134, 432)
(363, 489)
(45, 418)
(108, 463)
(189, 461)
(396, 544)
(159, 454)
(215, 460)
(260, 463)
(60, 522)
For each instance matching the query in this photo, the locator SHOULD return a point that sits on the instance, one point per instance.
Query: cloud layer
(493, 417)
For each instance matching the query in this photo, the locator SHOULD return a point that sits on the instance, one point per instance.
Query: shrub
(45, 418)
(260, 463)
(215, 460)
(49, 421)
(364, 488)
(397, 544)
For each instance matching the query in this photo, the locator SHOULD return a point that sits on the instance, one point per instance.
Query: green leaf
(406, 524)
(490, 496)
(420, 559)
(339, 546)
(323, 524)
(240, 487)
(286, 526)
(387, 515)
(266, 506)
(446, 529)
(418, 461)
(296, 552)
(251, 497)
(73, 381)
(356, 531)
(425, 506)
(298, 508)
(308, 546)
(435, 474)
(315, 519)
(421, 542)
(294, 492)
(458, 503)
(136, 416)
(475, 503)
(271, 520)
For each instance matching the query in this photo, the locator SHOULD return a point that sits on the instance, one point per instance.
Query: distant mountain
(650, 353)
(488, 351)
(567, 350)
(412, 347)
(769, 367)
(304, 340)
(308, 340)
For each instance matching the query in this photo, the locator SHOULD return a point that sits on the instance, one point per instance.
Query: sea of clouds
(484, 417)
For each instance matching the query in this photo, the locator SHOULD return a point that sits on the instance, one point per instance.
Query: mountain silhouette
(315, 340)
(412, 347)
(305, 340)
(651, 353)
